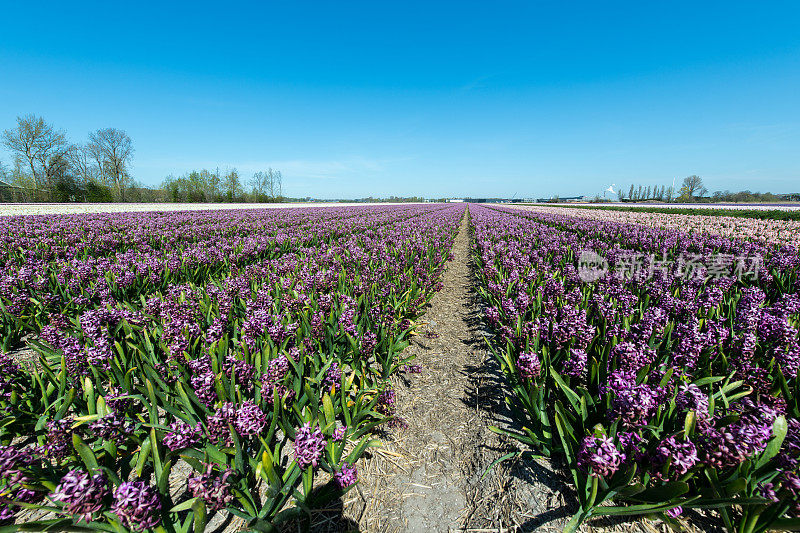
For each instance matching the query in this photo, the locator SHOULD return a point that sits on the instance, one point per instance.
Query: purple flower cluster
(346, 476)
(599, 456)
(58, 443)
(10, 375)
(308, 446)
(213, 487)
(333, 376)
(387, 401)
(137, 505)
(218, 425)
(112, 427)
(575, 365)
(691, 398)
(634, 403)
(14, 472)
(339, 433)
(82, 494)
(529, 365)
(271, 381)
(203, 381)
(249, 419)
(673, 458)
(182, 435)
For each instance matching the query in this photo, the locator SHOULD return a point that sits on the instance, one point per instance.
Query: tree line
(47, 167)
(693, 190)
(216, 186)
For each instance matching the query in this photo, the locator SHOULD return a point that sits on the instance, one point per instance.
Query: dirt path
(428, 476)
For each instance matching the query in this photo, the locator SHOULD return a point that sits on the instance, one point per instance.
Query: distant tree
(631, 193)
(692, 187)
(39, 144)
(621, 194)
(231, 186)
(277, 184)
(212, 183)
(82, 162)
(267, 185)
(113, 151)
(97, 192)
(258, 185)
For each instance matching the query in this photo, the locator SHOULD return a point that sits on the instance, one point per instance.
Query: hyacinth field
(198, 363)
(662, 389)
(195, 366)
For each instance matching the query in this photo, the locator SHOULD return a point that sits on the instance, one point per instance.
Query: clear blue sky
(430, 98)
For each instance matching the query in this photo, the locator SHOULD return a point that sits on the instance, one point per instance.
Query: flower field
(200, 363)
(665, 384)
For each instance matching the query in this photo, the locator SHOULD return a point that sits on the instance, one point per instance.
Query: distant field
(757, 211)
(74, 209)
(753, 207)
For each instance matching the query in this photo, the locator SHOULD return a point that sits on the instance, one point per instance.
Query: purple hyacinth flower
(338, 433)
(346, 476)
(308, 446)
(137, 505)
(250, 419)
(182, 435)
(82, 494)
(599, 456)
(529, 365)
(212, 487)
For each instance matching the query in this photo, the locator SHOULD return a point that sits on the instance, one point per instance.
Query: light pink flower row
(777, 232)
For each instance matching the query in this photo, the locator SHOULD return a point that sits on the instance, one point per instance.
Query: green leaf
(662, 493)
(785, 524)
(184, 506)
(86, 454)
(327, 409)
(779, 429)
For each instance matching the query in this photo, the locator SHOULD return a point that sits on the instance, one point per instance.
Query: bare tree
(278, 181)
(621, 194)
(37, 143)
(259, 184)
(693, 186)
(267, 183)
(231, 185)
(113, 151)
(83, 165)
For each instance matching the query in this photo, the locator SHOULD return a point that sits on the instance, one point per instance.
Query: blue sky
(422, 98)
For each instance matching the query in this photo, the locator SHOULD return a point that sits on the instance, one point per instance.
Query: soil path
(428, 476)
